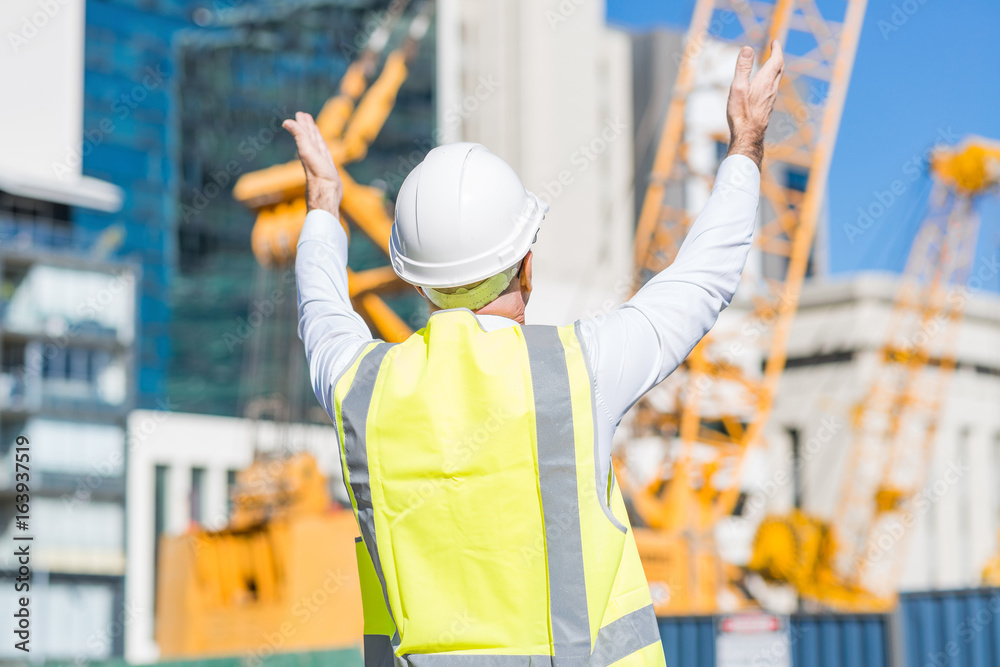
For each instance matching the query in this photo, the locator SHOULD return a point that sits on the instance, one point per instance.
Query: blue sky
(934, 78)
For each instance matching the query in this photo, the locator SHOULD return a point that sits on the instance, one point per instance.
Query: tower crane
(711, 414)
(895, 425)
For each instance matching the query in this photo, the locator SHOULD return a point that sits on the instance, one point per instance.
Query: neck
(509, 305)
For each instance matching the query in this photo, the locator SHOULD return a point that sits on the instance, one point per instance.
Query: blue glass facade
(129, 140)
(167, 104)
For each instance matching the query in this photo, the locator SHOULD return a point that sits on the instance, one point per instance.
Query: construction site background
(833, 484)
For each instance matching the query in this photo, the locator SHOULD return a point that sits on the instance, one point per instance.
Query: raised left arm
(330, 329)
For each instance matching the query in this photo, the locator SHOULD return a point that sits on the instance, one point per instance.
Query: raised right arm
(639, 344)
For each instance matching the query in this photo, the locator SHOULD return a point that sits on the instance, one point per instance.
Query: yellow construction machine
(281, 576)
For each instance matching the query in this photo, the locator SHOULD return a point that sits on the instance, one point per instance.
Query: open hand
(324, 189)
(751, 102)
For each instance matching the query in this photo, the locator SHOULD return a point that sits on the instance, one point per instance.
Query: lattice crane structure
(714, 410)
(853, 560)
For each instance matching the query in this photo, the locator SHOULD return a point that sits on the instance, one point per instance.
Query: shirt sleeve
(636, 346)
(331, 331)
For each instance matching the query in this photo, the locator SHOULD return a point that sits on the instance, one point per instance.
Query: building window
(795, 439)
(995, 474)
(74, 364)
(161, 478)
(12, 359)
(230, 492)
(965, 508)
(796, 179)
(44, 223)
(24, 208)
(721, 149)
(197, 495)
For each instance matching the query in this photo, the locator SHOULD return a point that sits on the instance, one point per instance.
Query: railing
(23, 233)
(34, 394)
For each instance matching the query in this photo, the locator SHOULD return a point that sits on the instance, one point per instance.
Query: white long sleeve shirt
(631, 349)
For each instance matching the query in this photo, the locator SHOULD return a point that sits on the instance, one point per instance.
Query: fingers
(302, 126)
(775, 65)
(308, 138)
(744, 65)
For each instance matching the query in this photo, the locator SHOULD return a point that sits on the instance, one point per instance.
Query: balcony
(38, 234)
(84, 302)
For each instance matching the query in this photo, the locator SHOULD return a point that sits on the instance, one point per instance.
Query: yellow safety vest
(470, 460)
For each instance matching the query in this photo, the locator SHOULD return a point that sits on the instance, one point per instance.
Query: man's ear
(525, 276)
(430, 304)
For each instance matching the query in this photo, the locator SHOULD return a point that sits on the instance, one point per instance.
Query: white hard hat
(462, 215)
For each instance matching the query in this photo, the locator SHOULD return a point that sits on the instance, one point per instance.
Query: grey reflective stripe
(378, 651)
(478, 660)
(354, 414)
(623, 637)
(560, 498)
(602, 485)
(333, 399)
(616, 640)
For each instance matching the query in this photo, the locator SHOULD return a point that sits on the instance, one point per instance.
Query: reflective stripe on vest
(557, 482)
(570, 628)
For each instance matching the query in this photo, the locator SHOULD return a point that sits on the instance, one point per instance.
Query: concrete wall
(547, 87)
(41, 70)
(954, 531)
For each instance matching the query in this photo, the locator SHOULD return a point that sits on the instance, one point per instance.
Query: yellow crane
(220, 592)
(349, 122)
(895, 425)
(714, 411)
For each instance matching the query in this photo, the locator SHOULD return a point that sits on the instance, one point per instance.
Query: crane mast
(714, 411)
